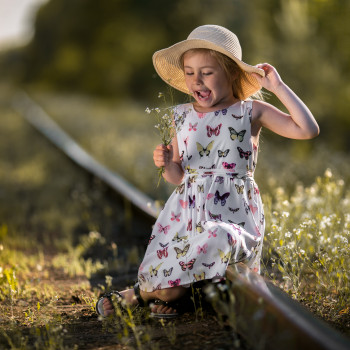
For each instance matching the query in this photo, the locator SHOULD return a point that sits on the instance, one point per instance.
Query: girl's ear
(235, 75)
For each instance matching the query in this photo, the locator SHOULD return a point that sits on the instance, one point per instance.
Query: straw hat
(168, 66)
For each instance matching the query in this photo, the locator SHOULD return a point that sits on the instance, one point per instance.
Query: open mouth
(203, 95)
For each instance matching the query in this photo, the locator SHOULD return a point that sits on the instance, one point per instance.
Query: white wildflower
(328, 173)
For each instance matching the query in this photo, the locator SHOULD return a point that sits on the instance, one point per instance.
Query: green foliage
(308, 239)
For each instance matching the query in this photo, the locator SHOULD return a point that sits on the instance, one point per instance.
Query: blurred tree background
(104, 48)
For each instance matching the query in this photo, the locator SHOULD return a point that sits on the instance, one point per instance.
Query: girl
(215, 216)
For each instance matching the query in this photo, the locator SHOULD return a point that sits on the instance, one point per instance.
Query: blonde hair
(234, 73)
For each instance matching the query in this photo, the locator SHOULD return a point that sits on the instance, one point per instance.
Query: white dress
(215, 216)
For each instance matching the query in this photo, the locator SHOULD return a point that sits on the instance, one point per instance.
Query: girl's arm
(298, 124)
(169, 158)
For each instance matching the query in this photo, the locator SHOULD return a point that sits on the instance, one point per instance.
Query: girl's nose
(197, 79)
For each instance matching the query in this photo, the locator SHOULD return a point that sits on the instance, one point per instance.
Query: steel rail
(38, 118)
(265, 316)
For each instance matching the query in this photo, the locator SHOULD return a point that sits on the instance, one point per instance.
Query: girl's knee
(170, 294)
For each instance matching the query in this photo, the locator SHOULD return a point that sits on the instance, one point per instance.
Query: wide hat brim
(168, 66)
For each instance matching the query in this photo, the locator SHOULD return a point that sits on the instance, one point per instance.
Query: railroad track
(263, 314)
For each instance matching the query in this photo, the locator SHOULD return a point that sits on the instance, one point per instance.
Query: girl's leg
(168, 294)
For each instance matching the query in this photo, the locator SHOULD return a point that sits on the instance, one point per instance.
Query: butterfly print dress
(215, 216)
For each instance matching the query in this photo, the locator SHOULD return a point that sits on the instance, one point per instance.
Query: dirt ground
(70, 323)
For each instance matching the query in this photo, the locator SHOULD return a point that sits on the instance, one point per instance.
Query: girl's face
(207, 82)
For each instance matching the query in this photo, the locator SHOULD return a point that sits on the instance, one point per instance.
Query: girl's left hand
(271, 80)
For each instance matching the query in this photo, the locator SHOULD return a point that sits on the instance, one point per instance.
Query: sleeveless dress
(215, 216)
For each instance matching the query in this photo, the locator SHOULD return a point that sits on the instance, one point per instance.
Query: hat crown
(219, 36)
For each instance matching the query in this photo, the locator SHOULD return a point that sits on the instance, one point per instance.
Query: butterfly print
(189, 225)
(180, 189)
(205, 167)
(234, 210)
(215, 216)
(246, 207)
(223, 153)
(179, 120)
(220, 179)
(200, 188)
(231, 241)
(212, 233)
(210, 195)
(201, 115)
(142, 277)
(199, 227)
(186, 144)
(164, 229)
(182, 156)
(154, 271)
(199, 277)
(228, 166)
(262, 219)
(162, 253)
(181, 253)
(249, 195)
(174, 283)
(175, 216)
(213, 131)
(179, 239)
(252, 208)
(202, 249)
(243, 153)
(183, 203)
(256, 190)
(189, 265)
(224, 111)
(221, 199)
(192, 201)
(224, 257)
(209, 265)
(257, 231)
(204, 150)
(151, 239)
(235, 135)
(192, 127)
(239, 189)
(167, 273)
(191, 180)
(190, 171)
(163, 245)
(237, 117)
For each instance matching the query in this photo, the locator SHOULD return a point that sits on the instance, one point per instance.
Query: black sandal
(115, 296)
(173, 305)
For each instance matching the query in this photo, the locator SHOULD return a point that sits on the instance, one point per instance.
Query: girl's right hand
(163, 155)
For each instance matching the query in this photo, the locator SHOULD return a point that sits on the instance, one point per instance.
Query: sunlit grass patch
(307, 241)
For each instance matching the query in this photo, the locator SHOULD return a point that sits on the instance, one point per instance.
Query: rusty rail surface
(262, 313)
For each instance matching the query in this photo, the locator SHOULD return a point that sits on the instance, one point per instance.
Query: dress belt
(218, 172)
